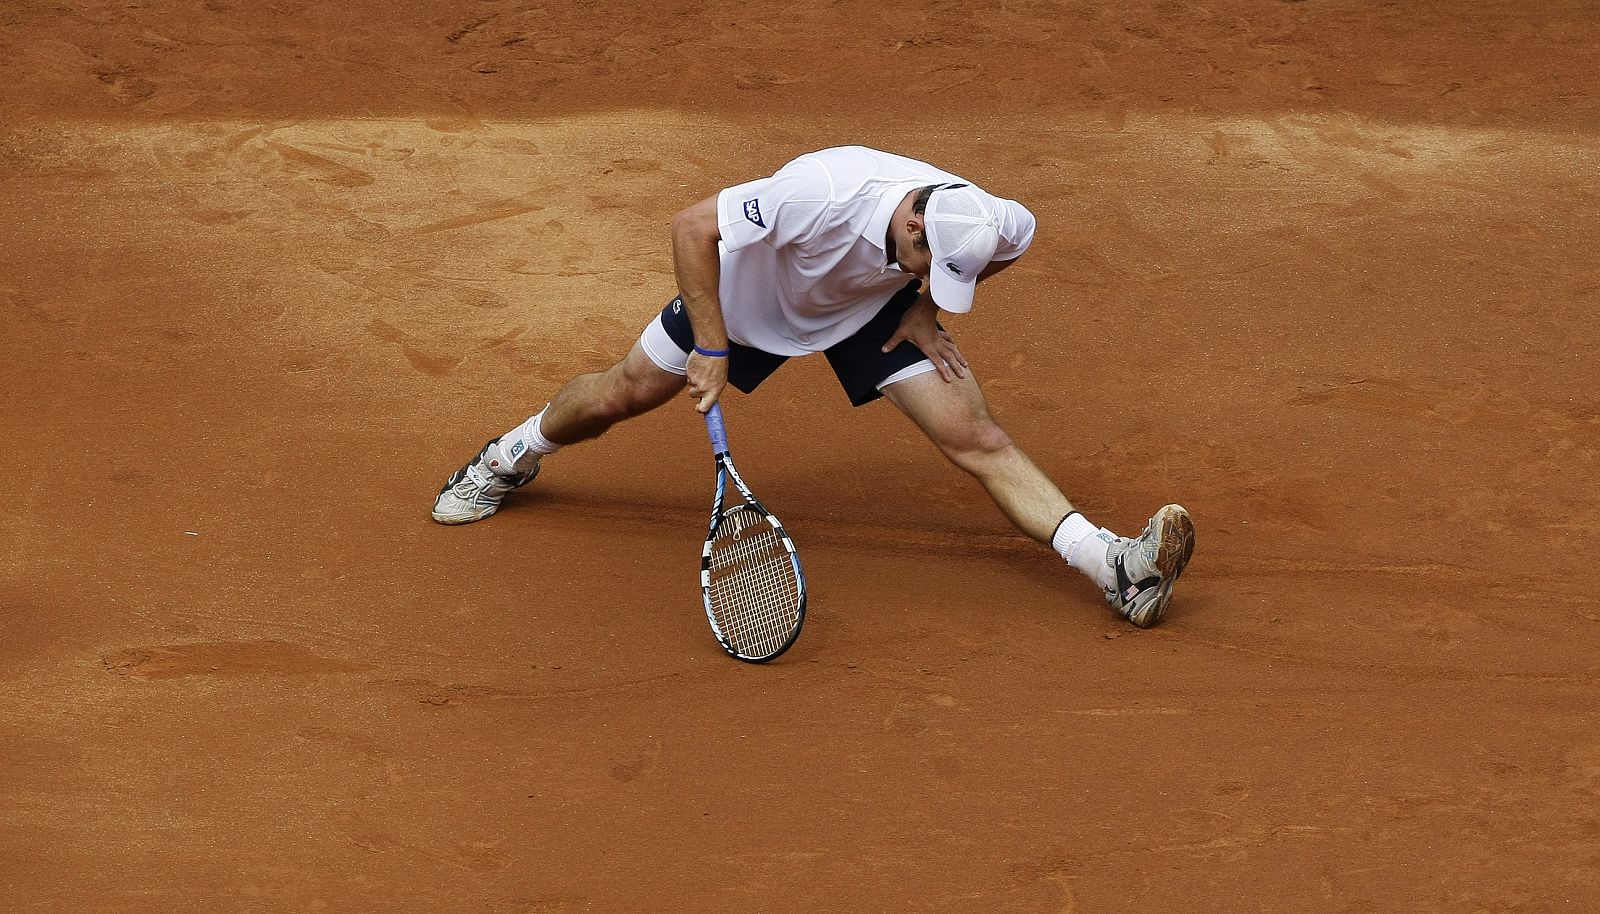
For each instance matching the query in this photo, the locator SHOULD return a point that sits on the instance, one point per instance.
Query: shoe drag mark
(436, 365)
(221, 659)
(451, 695)
(333, 172)
(467, 29)
(488, 212)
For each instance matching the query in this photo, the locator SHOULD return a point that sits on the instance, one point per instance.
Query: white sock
(521, 448)
(1084, 546)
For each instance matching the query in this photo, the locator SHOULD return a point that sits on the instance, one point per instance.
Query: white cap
(963, 228)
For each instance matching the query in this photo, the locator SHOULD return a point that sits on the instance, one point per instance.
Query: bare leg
(583, 409)
(955, 417)
(590, 404)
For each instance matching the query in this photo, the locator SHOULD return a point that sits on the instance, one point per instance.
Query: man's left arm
(920, 324)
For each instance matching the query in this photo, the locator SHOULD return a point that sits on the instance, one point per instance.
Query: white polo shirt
(804, 262)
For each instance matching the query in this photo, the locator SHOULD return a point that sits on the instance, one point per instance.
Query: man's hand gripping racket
(755, 592)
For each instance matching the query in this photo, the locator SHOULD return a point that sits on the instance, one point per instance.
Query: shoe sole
(1175, 530)
(456, 520)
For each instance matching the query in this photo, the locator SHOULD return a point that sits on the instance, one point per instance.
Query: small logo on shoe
(517, 449)
(752, 211)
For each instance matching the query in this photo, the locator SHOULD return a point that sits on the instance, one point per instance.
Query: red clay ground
(1325, 272)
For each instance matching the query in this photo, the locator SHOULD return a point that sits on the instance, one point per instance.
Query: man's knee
(972, 438)
(638, 386)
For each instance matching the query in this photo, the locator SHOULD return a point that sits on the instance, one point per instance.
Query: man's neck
(902, 212)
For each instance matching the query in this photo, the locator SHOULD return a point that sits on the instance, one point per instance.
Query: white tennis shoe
(476, 490)
(1149, 564)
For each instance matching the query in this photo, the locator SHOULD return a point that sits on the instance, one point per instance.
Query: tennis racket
(755, 592)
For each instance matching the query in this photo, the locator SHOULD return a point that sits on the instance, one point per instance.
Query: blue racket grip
(715, 428)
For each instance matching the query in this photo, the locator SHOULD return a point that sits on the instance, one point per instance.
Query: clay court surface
(1325, 272)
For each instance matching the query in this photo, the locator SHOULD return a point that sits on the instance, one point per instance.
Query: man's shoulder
(865, 159)
(852, 173)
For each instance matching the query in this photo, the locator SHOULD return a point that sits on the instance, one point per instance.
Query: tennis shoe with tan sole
(1148, 565)
(476, 490)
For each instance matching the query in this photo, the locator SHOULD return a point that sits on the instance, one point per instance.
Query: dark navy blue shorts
(858, 361)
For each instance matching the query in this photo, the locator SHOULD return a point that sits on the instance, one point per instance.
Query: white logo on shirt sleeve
(752, 211)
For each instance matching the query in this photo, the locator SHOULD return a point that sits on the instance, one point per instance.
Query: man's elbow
(697, 223)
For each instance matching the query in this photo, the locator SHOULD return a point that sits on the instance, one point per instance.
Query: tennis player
(850, 252)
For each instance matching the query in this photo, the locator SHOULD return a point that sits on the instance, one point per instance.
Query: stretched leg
(1136, 574)
(584, 408)
(955, 417)
(591, 403)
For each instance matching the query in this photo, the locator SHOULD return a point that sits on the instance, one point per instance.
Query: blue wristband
(712, 353)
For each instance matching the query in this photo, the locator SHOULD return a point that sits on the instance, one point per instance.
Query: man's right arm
(698, 266)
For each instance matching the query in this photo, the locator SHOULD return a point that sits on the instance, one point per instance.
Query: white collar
(878, 225)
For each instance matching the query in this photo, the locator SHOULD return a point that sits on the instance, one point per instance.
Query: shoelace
(473, 482)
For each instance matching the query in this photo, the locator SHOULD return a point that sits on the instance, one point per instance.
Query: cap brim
(949, 293)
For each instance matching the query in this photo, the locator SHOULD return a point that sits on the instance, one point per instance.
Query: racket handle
(715, 429)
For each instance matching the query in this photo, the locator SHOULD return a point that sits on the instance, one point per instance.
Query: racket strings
(755, 594)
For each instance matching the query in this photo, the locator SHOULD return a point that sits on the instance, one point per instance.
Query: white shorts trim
(668, 357)
(910, 371)
(662, 350)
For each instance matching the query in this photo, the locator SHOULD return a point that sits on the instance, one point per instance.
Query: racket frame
(726, 471)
